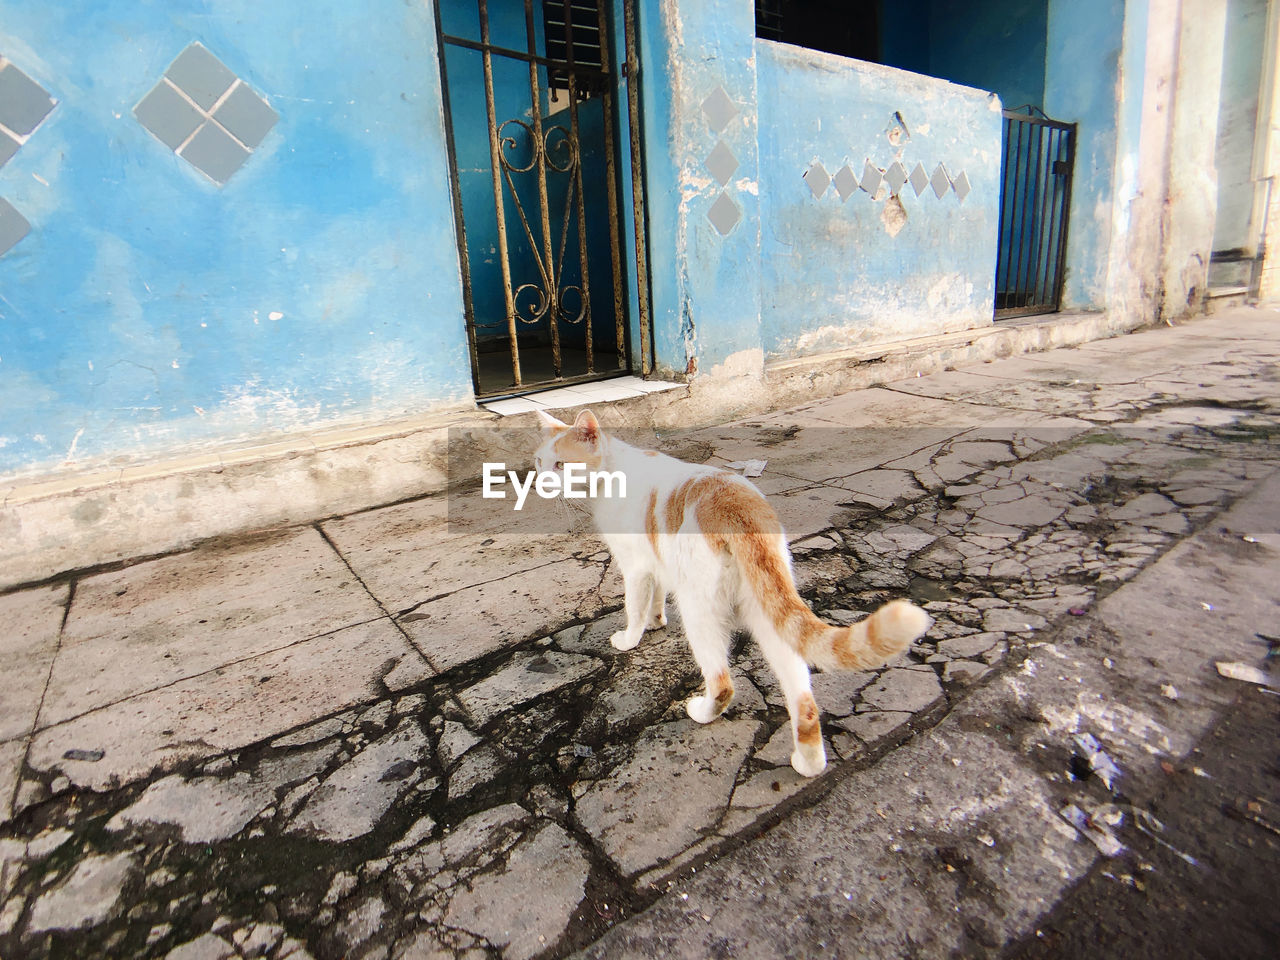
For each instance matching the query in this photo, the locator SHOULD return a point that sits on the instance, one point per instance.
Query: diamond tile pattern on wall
(721, 162)
(206, 114)
(817, 178)
(871, 178)
(8, 147)
(845, 182)
(895, 176)
(13, 226)
(960, 184)
(724, 214)
(940, 182)
(718, 109)
(23, 102)
(919, 179)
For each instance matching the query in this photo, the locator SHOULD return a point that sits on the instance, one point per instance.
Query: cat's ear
(587, 428)
(549, 423)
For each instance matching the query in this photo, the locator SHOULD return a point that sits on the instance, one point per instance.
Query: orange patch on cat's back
(678, 502)
(651, 520)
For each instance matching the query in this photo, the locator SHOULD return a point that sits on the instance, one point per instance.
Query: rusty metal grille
(1035, 198)
(531, 102)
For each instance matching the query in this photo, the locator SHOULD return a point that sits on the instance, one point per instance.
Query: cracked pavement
(380, 736)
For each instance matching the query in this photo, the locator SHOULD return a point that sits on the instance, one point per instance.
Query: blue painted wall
(996, 45)
(149, 310)
(705, 284)
(837, 273)
(1083, 83)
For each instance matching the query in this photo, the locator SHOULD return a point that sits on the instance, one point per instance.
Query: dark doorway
(1035, 197)
(545, 233)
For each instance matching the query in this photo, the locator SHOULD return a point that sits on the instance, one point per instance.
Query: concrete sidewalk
(379, 736)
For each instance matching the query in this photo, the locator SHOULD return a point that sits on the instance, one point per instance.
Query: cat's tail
(866, 644)
(738, 520)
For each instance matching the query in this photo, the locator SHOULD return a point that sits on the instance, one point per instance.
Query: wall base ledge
(54, 527)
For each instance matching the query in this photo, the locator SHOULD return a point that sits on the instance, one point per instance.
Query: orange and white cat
(710, 538)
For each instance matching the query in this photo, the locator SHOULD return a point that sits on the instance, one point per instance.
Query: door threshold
(579, 395)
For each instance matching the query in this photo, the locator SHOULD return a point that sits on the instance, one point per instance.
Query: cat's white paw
(620, 641)
(658, 622)
(702, 709)
(809, 766)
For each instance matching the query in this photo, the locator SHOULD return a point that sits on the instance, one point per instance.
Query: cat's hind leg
(706, 628)
(808, 757)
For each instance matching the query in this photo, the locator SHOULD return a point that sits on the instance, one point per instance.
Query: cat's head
(563, 443)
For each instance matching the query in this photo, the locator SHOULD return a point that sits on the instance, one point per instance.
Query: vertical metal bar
(1029, 207)
(1033, 212)
(464, 256)
(546, 266)
(1045, 175)
(577, 181)
(1033, 209)
(1019, 184)
(637, 183)
(611, 182)
(1051, 254)
(495, 157)
(1048, 208)
(1005, 238)
(1066, 215)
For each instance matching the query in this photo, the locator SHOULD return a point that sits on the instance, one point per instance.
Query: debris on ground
(1247, 672)
(749, 468)
(1099, 762)
(1097, 826)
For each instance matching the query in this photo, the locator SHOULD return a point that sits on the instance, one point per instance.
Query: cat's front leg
(637, 599)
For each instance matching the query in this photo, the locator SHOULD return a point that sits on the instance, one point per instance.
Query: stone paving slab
(12, 753)
(578, 790)
(28, 641)
(411, 552)
(232, 707)
(480, 620)
(651, 809)
(178, 617)
(954, 843)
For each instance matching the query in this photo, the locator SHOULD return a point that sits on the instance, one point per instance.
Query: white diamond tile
(845, 182)
(961, 185)
(817, 178)
(721, 162)
(718, 109)
(724, 214)
(919, 179)
(872, 177)
(940, 182)
(895, 176)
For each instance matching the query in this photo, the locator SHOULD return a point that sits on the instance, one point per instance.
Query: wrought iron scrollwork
(556, 150)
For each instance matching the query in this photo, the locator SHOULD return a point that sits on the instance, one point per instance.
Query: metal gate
(531, 107)
(1035, 197)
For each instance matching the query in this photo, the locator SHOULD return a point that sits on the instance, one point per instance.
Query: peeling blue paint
(839, 273)
(149, 310)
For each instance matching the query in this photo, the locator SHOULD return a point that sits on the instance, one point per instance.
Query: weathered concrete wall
(843, 264)
(1137, 208)
(1192, 188)
(151, 310)
(1082, 72)
(1239, 151)
(699, 87)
